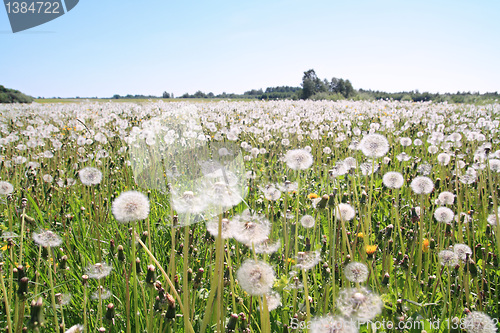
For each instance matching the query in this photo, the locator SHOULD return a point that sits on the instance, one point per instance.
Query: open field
(287, 216)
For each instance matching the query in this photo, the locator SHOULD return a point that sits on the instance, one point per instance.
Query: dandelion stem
(52, 292)
(6, 301)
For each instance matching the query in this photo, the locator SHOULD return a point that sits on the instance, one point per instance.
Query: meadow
(278, 216)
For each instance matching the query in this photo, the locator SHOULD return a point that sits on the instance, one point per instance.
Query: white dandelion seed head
(267, 246)
(307, 221)
(48, 178)
(90, 176)
(226, 228)
(188, 202)
(98, 271)
(130, 206)
(6, 188)
(432, 149)
(307, 260)
(250, 228)
(444, 158)
(494, 165)
(356, 272)
(271, 193)
(403, 157)
(479, 322)
(374, 145)
(422, 185)
(405, 142)
(298, 159)
(493, 218)
(350, 163)
(448, 258)
(446, 198)
(75, 329)
(47, 238)
(288, 186)
(332, 325)
(345, 212)
(327, 150)
(339, 169)
(105, 293)
(360, 304)
(273, 300)
(255, 277)
(444, 214)
(424, 169)
(462, 251)
(393, 179)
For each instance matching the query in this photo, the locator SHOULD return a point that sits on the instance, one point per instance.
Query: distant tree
(116, 96)
(13, 96)
(312, 84)
(166, 95)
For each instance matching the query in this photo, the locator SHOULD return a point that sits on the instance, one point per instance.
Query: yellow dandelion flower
(312, 196)
(370, 249)
(425, 245)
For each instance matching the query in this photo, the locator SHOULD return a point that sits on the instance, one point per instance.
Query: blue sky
(101, 48)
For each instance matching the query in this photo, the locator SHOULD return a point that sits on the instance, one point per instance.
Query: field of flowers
(287, 216)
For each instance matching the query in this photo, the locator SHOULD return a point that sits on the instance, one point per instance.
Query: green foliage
(13, 96)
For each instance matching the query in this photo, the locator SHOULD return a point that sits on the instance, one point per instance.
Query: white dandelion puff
(422, 185)
(479, 322)
(356, 272)
(307, 221)
(345, 212)
(374, 145)
(448, 258)
(444, 214)
(393, 179)
(255, 277)
(90, 176)
(130, 206)
(47, 238)
(6, 188)
(98, 271)
(298, 159)
(359, 303)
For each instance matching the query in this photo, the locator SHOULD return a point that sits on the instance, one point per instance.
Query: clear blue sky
(107, 47)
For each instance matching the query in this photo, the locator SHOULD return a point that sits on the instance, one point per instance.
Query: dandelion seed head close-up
(374, 145)
(356, 272)
(255, 277)
(422, 185)
(130, 206)
(298, 159)
(90, 176)
(393, 179)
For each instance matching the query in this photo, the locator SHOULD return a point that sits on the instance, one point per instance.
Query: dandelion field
(286, 216)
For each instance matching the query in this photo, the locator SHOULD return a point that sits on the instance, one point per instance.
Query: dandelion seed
(47, 239)
(374, 145)
(307, 260)
(98, 271)
(405, 142)
(462, 251)
(422, 185)
(360, 304)
(479, 322)
(494, 165)
(444, 158)
(332, 325)
(307, 221)
(90, 176)
(403, 157)
(356, 272)
(267, 246)
(424, 169)
(273, 300)
(6, 188)
(345, 212)
(448, 258)
(444, 214)
(393, 179)
(446, 198)
(105, 293)
(226, 228)
(298, 159)
(271, 193)
(250, 228)
(75, 329)
(130, 206)
(255, 277)
(188, 202)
